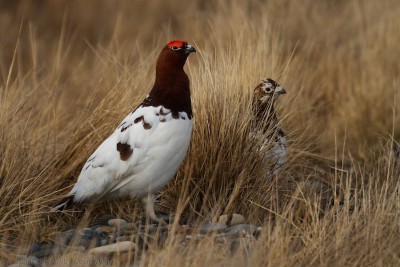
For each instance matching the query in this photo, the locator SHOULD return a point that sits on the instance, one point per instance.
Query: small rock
(44, 251)
(104, 230)
(85, 243)
(119, 233)
(241, 230)
(33, 248)
(212, 228)
(94, 227)
(118, 223)
(87, 233)
(119, 247)
(236, 219)
(103, 220)
(103, 242)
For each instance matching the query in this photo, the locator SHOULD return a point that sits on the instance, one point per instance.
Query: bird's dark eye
(175, 48)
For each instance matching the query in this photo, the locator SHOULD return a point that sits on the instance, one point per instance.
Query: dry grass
(69, 77)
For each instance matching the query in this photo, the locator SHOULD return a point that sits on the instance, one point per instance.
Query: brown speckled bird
(266, 124)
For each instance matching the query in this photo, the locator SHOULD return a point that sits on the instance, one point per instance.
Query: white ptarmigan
(266, 124)
(148, 146)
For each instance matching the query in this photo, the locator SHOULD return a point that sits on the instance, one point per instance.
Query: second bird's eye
(175, 48)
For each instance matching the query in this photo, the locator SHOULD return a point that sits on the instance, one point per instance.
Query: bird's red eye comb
(177, 43)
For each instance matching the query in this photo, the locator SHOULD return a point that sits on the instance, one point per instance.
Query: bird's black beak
(279, 91)
(189, 49)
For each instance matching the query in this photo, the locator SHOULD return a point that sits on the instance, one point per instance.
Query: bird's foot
(148, 205)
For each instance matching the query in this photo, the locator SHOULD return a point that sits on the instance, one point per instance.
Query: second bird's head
(174, 54)
(268, 91)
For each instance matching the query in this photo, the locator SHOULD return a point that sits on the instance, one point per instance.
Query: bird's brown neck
(264, 114)
(171, 89)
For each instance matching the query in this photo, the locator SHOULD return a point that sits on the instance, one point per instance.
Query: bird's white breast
(158, 140)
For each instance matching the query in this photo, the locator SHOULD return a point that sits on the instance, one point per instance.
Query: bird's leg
(148, 205)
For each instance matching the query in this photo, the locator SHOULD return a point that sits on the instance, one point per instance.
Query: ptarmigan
(266, 124)
(148, 146)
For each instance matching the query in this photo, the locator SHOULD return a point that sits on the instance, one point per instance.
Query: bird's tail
(63, 204)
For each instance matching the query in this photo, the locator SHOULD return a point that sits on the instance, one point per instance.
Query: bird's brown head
(174, 55)
(171, 87)
(267, 91)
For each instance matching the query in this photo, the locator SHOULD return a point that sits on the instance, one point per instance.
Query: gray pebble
(118, 223)
(44, 251)
(104, 230)
(212, 228)
(33, 261)
(103, 220)
(103, 242)
(241, 230)
(119, 233)
(94, 227)
(236, 219)
(33, 248)
(85, 243)
(87, 233)
(113, 248)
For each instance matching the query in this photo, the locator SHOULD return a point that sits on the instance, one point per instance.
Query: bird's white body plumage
(159, 142)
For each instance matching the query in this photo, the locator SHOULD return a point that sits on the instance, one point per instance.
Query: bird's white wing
(113, 159)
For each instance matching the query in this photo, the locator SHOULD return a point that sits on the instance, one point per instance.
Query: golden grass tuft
(68, 78)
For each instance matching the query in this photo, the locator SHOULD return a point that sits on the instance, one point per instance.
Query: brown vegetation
(71, 70)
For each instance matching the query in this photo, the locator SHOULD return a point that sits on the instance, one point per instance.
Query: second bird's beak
(280, 91)
(189, 49)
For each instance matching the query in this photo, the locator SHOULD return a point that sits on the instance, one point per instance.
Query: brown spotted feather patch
(125, 151)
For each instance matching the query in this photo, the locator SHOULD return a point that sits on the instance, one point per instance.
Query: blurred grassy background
(71, 70)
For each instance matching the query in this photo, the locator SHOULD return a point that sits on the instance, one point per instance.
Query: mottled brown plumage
(266, 121)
